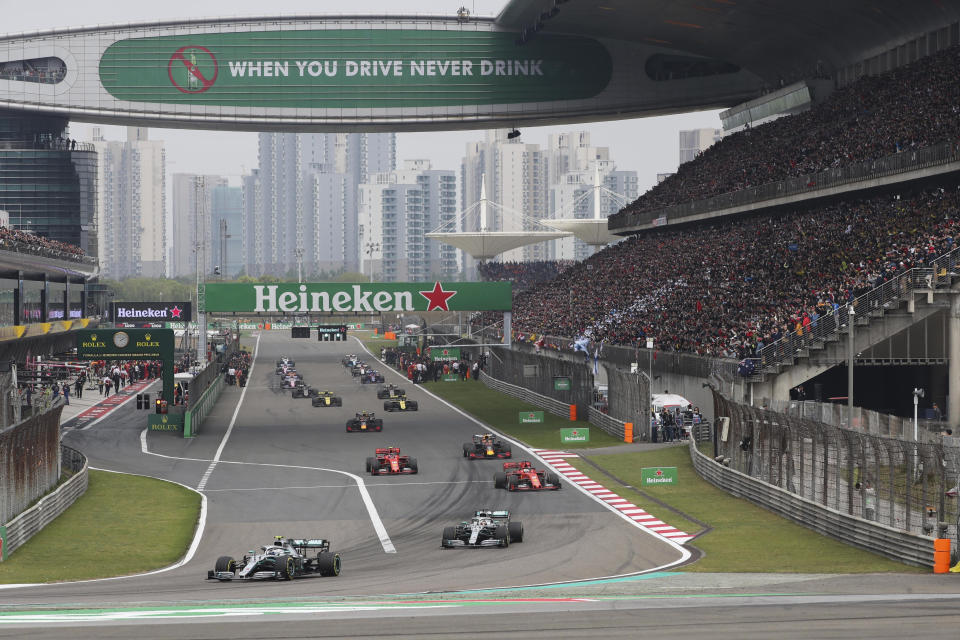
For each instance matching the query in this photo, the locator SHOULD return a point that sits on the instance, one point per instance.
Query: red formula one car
(389, 460)
(522, 476)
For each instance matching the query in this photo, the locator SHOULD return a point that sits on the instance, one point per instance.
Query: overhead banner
(96, 344)
(355, 68)
(150, 312)
(338, 297)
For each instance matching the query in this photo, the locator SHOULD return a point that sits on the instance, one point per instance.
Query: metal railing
(883, 297)
(809, 184)
(872, 422)
(894, 482)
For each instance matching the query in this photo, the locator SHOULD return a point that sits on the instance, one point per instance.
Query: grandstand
(765, 282)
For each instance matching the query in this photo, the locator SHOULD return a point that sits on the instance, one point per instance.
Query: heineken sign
(444, 354)
(354, 68)
(336, 297)
(150, 311)
(575, 435)
(531, 416)
(658, 475)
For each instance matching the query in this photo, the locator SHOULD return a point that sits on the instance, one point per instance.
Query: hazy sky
(646, 145)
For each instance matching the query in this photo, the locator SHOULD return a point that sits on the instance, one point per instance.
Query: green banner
(449, 377)
(355, 68)
(531, 416)
(444, 354)
(575, 435)
(336, 297)
(561, 383)
(97, 344)
(165, 421)
(658, 475)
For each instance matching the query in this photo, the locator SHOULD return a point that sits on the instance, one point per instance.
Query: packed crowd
(728, 288)
(523, 275)
(237, 368)
(908, 108)
(17, 240)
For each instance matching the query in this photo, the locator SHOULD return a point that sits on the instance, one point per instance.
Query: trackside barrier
(902, 546)
(19, 530)
(595, 417)
(194, 416)
(628, 432)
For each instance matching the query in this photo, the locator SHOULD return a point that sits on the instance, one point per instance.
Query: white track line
(684, 552)
(233, 421)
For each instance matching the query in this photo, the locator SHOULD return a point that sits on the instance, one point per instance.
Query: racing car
(358, 369)
(326, 399)
(285, 559)
(389, 391)
(365, 421)
(349, 360)
(486, 445)
(389, 460)
(371, 376)
(487, 528)
(400, 403)
(522, 476)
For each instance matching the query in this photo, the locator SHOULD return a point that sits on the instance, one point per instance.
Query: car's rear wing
(385, 450)
(522, 464)
(492, 513)
(312, 543)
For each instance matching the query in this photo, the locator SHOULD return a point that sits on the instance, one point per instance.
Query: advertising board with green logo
(581, 434)
(658, 475)
(444, 354)
(561, 383)
(531, 416)
(449, 377)
(336, 297)
(130, 344)
(355, 68)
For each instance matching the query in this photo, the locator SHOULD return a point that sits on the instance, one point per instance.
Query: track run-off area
(270, 465)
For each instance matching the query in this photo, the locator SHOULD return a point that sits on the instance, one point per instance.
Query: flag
(580, 344)
(596, 361)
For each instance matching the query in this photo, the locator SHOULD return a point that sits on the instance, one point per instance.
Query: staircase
(878, 315)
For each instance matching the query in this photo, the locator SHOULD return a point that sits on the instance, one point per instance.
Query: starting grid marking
(558, 460)
(108, 404)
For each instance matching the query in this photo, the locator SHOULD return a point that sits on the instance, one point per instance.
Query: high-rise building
(226, 229)
(131, 205)
(296, 213)
(193, 194)
(693, 142)
(48, 181)
(396, 210)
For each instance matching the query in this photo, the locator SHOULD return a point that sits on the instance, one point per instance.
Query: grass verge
(742, 537)
(123, 524)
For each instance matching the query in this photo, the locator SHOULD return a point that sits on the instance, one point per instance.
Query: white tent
(670, 401)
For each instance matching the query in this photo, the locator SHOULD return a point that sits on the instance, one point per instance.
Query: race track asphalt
(286, 468)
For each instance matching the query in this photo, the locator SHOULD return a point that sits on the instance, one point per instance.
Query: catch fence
(894, 482)
(29, 461)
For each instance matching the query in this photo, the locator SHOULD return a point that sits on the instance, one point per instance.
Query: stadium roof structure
(593, 231)
(539, 62)
(484, 244)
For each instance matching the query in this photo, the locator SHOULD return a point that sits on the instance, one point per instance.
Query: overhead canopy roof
(483, 245)
(776, 41)
(592, 231)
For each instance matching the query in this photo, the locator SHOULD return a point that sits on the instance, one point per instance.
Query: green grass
(744, 537)
(502, 412)
(123, 524)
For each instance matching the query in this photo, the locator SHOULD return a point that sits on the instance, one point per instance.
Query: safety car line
(558, 460)
(676, 544)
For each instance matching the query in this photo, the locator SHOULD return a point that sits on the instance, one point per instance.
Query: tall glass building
(48, 182)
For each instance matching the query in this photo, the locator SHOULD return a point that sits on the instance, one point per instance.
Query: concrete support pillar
(66, 299)
(18, 300)
(45, 299)
(953, 399)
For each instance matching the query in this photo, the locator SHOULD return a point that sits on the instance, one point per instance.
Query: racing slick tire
(502, 535)
(507, 451)
(285, 567)
(388, 406)
(499, 480)
(316, 402)
(225, 563)
(351, 424)
(552, 478)
(516, 531)
(449, 533)
(370, 463)
(414, 467)
(375, 468)
(467, 447)
(328, 563)
(413, 406)
(337, 402)
(378, 425)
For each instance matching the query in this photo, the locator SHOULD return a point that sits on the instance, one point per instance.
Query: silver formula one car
(285, 559)
(487, 528)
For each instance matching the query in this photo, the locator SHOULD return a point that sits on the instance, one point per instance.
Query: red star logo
(659, 472)
(437, 299)
(575, 433)
(175, 312)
